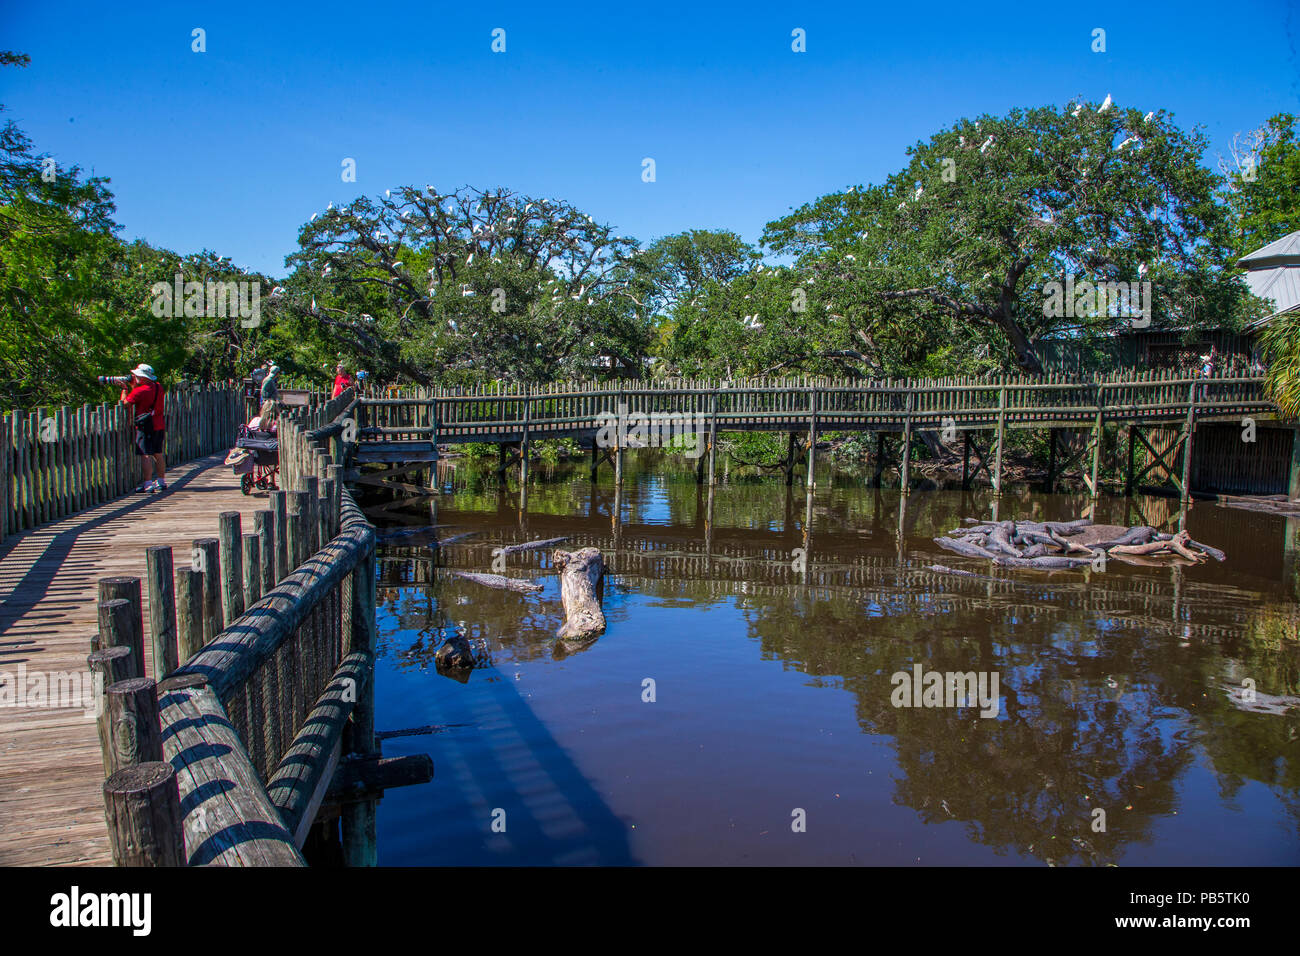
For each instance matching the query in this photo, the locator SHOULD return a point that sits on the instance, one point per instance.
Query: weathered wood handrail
(272, 691)
(516, 412)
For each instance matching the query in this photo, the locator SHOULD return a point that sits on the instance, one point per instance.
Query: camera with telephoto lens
(122, 380)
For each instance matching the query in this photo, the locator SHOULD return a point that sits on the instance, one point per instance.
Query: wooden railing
(513, 412)
(55, 462)
(273, 686)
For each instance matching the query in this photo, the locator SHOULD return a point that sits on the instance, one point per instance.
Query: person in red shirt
(342, 381)
(145, 396)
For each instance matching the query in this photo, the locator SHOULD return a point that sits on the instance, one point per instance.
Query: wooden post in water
(812, 437)
(206, 555)
(142, 807)
(229, 532)
(1132, 451)
(965, 461)
(906, 469)
(162, 610)
(713, 437)
(1097, 436)
(189, 612)
(1002, 426)
(358, 818)
(523, 443)
(1188, 427)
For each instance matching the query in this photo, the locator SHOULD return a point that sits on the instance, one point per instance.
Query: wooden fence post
(162, 610)
(207, 556)
(280, 525)
(252, 569)
(142, 807)
(264, 526)
(232, 585)
(127, 589)
(189, 612)
(130, 731)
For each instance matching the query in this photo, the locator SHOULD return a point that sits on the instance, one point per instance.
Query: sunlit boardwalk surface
(51, 771)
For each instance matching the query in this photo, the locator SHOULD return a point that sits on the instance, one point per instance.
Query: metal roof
(1282, 252)
(1273, 273)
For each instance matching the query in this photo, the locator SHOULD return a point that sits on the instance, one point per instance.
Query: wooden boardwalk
(51, 768)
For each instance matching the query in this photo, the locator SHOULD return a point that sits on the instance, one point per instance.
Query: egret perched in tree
(1130, 139)
(1077, 110)
(919, 189)
(329, 207)
(397, 263)
(313, 217)
(1147, 118)
(1105, 104)
(987, 143)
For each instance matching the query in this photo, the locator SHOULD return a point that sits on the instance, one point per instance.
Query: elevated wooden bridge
(1161, 411)
(234, 708)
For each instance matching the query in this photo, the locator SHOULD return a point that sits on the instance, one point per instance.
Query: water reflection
(1121, 690)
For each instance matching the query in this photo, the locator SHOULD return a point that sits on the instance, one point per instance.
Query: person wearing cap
(342, 381)
(145, 396)
(270, 384)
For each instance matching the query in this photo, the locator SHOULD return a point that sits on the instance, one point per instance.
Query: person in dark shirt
(145, 396)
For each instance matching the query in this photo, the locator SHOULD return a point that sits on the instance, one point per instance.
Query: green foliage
(954, 249)
(1264, 190)
(464, 288)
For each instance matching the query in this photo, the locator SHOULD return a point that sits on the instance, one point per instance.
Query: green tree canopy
(955, 248)
(463, 287)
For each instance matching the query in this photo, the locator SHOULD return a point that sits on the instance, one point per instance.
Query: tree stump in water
(580, 590)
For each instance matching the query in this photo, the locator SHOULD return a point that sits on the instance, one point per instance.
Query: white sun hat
(145, 371)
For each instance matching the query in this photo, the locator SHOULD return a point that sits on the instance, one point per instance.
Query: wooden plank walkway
(51, 804)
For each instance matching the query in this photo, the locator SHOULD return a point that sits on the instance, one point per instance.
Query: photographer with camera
(145, 396)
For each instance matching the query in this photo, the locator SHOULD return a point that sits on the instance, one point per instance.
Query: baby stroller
(256, 459)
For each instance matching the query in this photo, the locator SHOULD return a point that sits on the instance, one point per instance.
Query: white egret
(1105, 104)
(987, 143)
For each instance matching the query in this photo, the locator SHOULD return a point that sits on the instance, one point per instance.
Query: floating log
(580, 590)
(497, 581)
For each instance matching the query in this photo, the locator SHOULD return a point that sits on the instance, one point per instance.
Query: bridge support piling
(1132, 452)
(1002, 428)
(906, 468)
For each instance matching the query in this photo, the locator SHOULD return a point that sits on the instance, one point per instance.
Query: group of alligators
(1068, 544)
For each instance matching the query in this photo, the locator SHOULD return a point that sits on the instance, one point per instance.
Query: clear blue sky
(233, 149)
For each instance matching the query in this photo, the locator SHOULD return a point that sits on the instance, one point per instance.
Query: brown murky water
(1122, 731)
